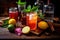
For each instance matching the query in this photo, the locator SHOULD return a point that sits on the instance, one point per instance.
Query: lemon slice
(26, 30)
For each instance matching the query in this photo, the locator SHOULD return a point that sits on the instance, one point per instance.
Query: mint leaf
(21, 3)
(35, 8)
(29, 7)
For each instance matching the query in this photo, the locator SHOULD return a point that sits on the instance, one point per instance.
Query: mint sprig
(20, 3)
(28, 9)
(34, 8)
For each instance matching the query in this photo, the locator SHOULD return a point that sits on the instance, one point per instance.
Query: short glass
(13, 13)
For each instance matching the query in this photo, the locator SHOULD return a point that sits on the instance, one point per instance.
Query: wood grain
(5, 34)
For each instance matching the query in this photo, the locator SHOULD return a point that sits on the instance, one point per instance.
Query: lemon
(43, 25)
(12, 21)
(26, 30)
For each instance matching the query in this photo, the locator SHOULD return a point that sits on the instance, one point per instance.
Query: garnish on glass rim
(34, 8)
(29, 9)
(20, 3)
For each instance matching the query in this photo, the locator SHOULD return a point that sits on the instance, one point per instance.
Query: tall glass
(20, 9)
(31, 20)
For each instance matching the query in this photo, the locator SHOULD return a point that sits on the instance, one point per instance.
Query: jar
(13, 13)
(31, 20)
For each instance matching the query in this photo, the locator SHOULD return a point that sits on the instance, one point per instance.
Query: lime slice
(26, 30)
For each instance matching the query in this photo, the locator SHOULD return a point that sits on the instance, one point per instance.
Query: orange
(12, 21)
(43, 25)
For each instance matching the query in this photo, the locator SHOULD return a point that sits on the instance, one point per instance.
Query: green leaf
(5, 23)
(25, 10)
(21, 3)
(35, 8)
(29, 7)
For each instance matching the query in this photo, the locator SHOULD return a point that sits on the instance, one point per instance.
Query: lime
(26, 30)
(11, 27)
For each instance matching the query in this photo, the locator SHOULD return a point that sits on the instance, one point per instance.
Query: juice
(13, 15)
(23, 19)
(32, 25)
(27, 19)
(32, 21)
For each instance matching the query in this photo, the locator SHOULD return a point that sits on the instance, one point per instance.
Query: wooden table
(5, 34)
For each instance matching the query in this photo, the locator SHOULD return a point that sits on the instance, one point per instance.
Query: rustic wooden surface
(5, 34)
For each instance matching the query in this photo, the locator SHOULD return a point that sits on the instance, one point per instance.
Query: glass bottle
(40, 4)
(21, 7)
(48, 10)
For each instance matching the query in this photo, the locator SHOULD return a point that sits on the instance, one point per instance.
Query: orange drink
(32, 21)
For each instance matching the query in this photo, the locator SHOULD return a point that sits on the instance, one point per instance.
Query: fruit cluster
(10, 24)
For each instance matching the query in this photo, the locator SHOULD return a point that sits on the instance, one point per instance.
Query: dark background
(5, 4)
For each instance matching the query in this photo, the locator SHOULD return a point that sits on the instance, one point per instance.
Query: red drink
(27, 19)
(16, 15)
(13, 14)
